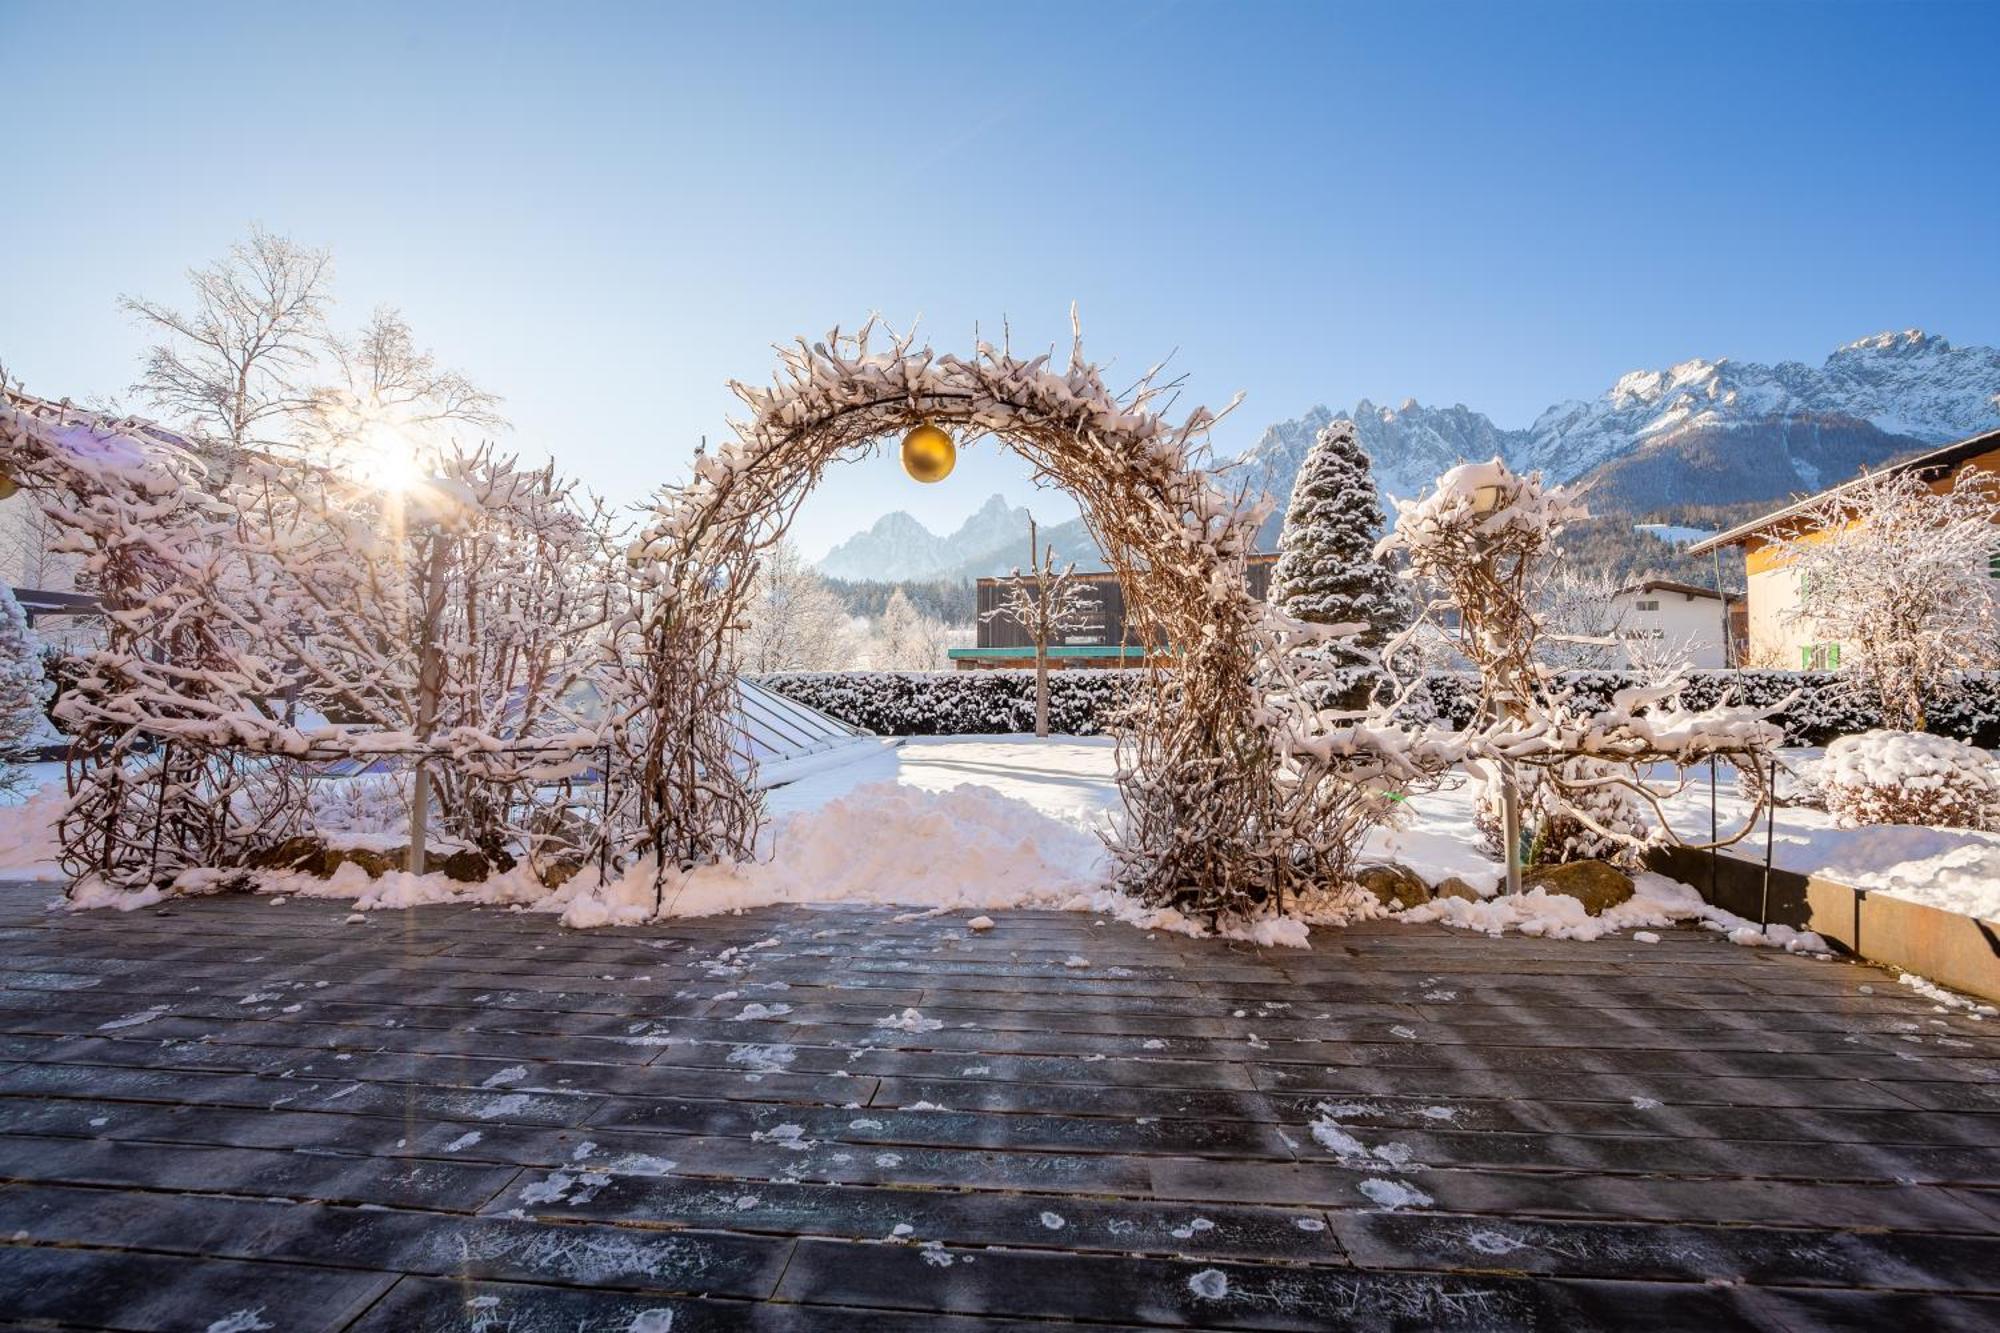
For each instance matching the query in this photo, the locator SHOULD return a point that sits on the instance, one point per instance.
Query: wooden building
(1107, 643)
(1776, 636)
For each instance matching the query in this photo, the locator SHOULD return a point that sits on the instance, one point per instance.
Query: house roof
(1254, 558)
(1937, 462)
(1672, 585)
(42, 601)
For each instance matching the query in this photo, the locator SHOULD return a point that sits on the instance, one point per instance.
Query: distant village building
(1107, 643)
(1775, 638)
(1662, 620)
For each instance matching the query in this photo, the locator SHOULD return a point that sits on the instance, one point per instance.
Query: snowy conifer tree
(1328, 572)
(24, 689)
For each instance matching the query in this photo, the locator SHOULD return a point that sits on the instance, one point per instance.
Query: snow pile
(1907, 777)
(394, 888)
(1656, 901)
(29, 847)
(883, 843)
(1953, 870)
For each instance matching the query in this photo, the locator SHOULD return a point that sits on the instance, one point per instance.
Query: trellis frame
(1197, 765)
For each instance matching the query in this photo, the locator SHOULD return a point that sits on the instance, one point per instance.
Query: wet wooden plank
(457, 1116)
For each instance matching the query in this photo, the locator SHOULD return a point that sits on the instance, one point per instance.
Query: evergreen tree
(24, 689)
(1327, 572)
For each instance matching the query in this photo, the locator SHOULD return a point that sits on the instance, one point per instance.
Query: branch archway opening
(1197, 774)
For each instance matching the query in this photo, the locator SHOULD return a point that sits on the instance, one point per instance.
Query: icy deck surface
(242, 1116)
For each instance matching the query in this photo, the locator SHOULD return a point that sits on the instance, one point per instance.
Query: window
(1993, 564)
(1652, 605)
(1819, 657)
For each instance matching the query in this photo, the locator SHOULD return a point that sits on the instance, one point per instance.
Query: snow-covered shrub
(1554, 827)
(961, 703)
(24, 689)
(1818, 706)
(1797, 785)
(1909, 777)
(1968, 708)
(374, 803)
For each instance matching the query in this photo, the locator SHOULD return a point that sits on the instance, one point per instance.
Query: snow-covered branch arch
(1197, 767)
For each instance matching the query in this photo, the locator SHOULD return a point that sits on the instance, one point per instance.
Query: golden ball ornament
(8, 486)
(928, 454)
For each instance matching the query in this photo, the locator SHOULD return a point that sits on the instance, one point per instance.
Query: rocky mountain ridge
(1703, 431)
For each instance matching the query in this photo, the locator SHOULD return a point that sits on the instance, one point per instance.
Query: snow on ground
(1957, 870)
(28, 845)
(898, 840)
(937, 823)
(981, 824)
(1433, 836)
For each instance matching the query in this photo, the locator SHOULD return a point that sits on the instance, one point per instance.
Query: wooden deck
(233, 1115)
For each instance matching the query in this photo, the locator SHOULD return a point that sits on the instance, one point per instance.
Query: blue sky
(604, 212)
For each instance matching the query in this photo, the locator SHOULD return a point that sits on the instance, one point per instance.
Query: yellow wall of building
(1776, 640)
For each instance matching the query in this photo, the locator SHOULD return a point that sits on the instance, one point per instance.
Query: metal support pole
(420, 810)
(1510, 807)
(1770, 841)
(604, 819)
(1714, 835)
(430, 684)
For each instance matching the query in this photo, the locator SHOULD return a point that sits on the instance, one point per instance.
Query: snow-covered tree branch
(1047, 604)
(1898, 570)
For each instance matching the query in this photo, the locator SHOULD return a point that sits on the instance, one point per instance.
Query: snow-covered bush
(24, 689)
(962, 703)
(1797, 783)
(1553, 821)
(1909, 777)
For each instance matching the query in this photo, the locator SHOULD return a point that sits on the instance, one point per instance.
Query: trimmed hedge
(958, 703)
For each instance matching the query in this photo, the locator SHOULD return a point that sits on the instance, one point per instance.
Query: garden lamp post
(1485, 500)
(435, 513)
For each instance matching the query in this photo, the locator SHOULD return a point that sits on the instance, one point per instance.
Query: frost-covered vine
(1197, 762)
(293, 618)
(1486, 538)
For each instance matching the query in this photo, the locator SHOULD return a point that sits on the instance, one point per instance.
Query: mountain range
(993, 541)
(1711, 432)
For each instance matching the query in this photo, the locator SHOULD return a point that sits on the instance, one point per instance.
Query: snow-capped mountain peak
(1770, 428)
(1706, 430)
(897, 547)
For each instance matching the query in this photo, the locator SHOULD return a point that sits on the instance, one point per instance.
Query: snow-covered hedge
(959, 703)
(952, 703)
(1906, 777)
(1825, 707)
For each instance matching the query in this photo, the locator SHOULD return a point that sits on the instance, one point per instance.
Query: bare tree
(231, 367)
(793, 622)
(1581, 620)
(1047, 604)
(388, 386)
(905, 639)
(1899, 572)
